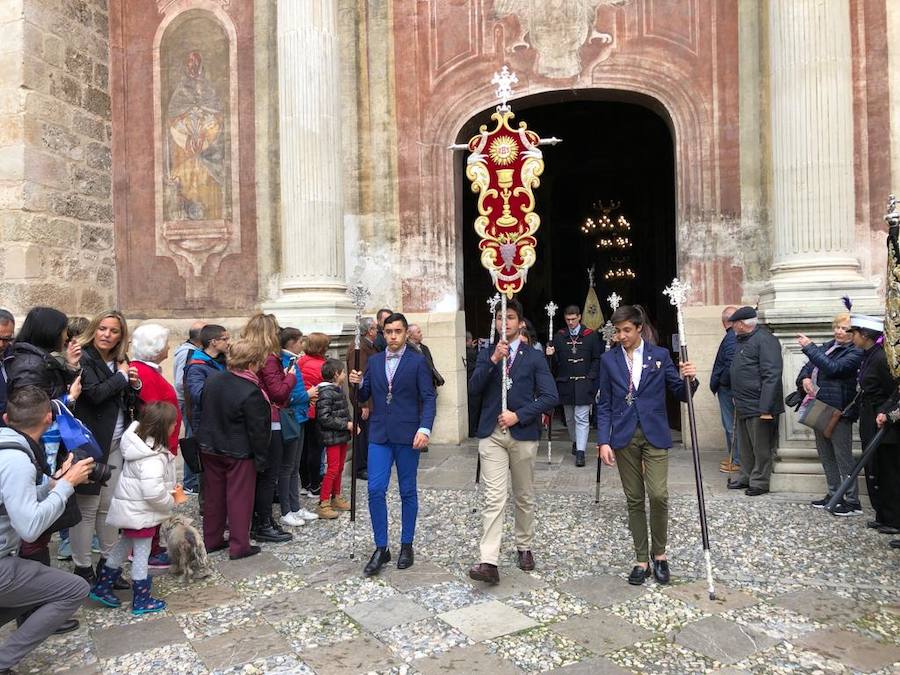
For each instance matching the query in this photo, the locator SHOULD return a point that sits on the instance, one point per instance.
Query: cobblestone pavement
(799, 591)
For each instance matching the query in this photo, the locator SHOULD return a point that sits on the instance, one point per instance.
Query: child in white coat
(142, 500)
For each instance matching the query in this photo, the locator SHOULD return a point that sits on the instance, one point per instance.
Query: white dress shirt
(637, 364)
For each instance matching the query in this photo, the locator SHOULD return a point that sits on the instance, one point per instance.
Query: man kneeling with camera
(28, 506)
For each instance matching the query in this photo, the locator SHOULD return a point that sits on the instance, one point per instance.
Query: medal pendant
(508, 383)
(629, 399)
(389, 398)
(574, 349)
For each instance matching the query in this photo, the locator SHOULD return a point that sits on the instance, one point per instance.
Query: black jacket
(32, 366)
(103, 394)
(878, 390)
(576, 364)
(756, 375)
(721, 372)
(837, 374)
(332, 415)
(237, 420)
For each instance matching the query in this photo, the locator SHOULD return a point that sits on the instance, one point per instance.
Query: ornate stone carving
(556, 30)
(165, 6)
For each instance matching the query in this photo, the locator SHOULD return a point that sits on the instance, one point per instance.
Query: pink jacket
(276, 384)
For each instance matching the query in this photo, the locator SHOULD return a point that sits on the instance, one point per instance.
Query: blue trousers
(381, 458)
(726, 410)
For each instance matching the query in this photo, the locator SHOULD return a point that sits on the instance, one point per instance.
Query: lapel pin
(658, 365)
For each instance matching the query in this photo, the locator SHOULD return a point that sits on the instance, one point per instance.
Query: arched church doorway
(616, 165)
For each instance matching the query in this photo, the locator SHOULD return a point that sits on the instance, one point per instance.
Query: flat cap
(745, 312)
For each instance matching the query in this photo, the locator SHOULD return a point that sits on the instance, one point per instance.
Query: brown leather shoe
(526, 561)
(485, 572)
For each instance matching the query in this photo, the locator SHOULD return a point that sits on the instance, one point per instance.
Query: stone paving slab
(196, 599)
(603, 590)
(423, 573)
(696, 593)
(724, 641)
(601, 632)
(241, 646)
(599, 666)
(858, 652)
(460, 660)
(306, 602)
(513, 581)
(121, 640)
(822, 606)
(246, 568)
(376, 615)
(487, 620)
(362, 655)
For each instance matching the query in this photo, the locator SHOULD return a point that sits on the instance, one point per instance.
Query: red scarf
(250, 376)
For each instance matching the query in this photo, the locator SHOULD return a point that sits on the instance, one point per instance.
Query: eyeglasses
(7, 338)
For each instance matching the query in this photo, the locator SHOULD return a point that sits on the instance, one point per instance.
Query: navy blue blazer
(616, 420)
(533, 392)
(412, 406)
(721, 372)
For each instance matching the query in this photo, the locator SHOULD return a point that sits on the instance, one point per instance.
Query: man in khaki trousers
(509, 438)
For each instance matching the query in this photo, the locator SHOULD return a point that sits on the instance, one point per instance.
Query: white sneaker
(292, 520)
(304, 492)
(306, 515)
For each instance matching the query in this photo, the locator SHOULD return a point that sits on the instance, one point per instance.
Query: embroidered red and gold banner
(504, 167)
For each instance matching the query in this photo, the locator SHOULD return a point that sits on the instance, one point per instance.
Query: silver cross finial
(892, 217)
(678, 292)
(359, 295)
(614, 301)
(590, 276)
(504, 80)
(551, 308)
(493, 301)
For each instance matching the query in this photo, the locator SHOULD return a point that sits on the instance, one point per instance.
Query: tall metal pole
(359, 294)
(608, 332)
(492, 302)
(678, 293)
(551, 308)
(504, 382)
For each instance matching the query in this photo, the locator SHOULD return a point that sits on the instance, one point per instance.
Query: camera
(100, 472)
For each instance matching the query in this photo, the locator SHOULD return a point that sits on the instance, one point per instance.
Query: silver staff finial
(493, 301)
(504, 80)
(590, 276)
(551, 308)
(678, 292)
(359, 294)
(892, 217)
(614, 301)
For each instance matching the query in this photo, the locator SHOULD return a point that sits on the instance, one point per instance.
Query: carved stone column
(812, 206)
(312, 282)
(813, 195)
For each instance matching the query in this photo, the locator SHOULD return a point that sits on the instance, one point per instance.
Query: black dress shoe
(873, 524)
(574, 449)
(661, 571)
(485, 572)
(526, 561)
(381, 557)
(736, 485)
(755, 492)
(253, 550)
(889, 529)
(894, 543)
(638, 575)
(218, 547)
(271, 535)
(579, 459)
(406, 557)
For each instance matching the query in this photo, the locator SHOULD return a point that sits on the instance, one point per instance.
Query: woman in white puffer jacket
(142, 500)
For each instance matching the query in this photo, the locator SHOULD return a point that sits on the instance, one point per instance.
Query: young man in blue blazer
(399, 386)
(509, 439)
(633, 432)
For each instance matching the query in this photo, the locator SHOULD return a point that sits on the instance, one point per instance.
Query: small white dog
(185, 546)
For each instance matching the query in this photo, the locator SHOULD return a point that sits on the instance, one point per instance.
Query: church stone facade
(207, 158)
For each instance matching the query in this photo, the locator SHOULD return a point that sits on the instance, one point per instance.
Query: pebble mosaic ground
(799, 591)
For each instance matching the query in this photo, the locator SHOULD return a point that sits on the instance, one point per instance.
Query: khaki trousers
(644, 471)
(503, 456)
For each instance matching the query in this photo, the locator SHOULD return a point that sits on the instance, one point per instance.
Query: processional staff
(608, 332)
(551, 308)
(678, 294)
(359, 295)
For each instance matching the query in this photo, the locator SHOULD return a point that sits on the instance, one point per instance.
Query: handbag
(820, 416)
(190, 453)
(75, 435)
(290, 427)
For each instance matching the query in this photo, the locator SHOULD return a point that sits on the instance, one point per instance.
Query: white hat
(865, 321)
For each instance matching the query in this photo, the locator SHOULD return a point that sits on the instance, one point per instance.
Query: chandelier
(610, 230)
